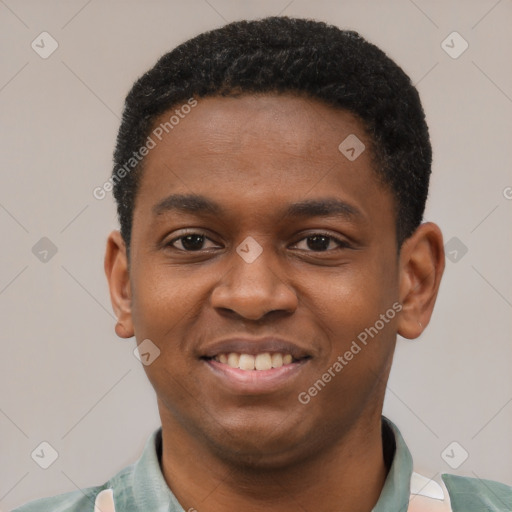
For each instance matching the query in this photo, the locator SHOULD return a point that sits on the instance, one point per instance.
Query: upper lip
(253, 346)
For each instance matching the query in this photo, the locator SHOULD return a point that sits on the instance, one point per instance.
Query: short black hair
(287, 55)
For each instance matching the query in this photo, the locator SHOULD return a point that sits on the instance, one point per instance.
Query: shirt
(141, 487)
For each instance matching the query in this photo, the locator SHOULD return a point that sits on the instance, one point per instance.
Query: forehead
(286, 125)
(253, 150)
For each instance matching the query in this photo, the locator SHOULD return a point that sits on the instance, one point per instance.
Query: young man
(271, 178)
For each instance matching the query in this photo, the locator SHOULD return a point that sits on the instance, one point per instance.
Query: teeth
(246, 362)
(277, 360)
(233, 360)
(264, 361)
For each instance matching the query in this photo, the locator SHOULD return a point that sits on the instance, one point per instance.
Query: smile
(256, 362)
(254, 366)
(247, 374)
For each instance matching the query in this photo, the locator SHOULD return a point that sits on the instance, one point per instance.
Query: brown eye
(320, 242)
(189, 243)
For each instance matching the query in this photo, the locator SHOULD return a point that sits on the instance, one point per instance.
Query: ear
(116, 270)
(422, 264)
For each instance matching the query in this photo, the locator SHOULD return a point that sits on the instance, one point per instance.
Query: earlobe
(422, 264)
(116, 270)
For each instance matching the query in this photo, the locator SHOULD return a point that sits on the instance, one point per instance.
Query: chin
(262, 446)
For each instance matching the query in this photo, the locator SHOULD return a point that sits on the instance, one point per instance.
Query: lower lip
(255, 381)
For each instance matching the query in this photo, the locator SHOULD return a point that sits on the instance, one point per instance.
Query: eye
(190, 242)
(321, 242)
(316, 242)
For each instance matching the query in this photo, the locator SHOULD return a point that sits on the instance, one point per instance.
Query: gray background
(65, 377)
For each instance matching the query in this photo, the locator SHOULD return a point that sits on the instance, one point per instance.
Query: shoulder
(83, 499)
(468, 494)
(70, 501)
(138, 486)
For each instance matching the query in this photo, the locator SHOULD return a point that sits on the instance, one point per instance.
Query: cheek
(157, 316)
(354, 311)
(361, 344)
(165, 304)
(353, 298)
(162, 300)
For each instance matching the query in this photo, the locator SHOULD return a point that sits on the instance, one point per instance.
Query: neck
(348, 476)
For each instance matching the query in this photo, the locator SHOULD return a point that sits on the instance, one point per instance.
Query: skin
(253, 155)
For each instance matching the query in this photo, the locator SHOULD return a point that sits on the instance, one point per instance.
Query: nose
(253, 289)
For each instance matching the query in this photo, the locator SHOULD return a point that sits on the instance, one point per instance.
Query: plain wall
(66, 378)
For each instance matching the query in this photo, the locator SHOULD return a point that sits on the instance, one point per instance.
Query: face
(254, 234)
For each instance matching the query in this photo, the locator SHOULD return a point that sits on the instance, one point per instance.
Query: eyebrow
(187, 203)
(197, 204)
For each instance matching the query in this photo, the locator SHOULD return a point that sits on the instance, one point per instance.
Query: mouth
(264, 361)
(246, 379)
(255, 366)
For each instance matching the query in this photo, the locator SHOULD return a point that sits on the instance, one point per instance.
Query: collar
(397, 487)
(151, 492)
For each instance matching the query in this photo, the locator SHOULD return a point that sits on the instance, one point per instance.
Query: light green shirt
(141, 487)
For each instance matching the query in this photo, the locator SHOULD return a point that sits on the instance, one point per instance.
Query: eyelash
(342, 244)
